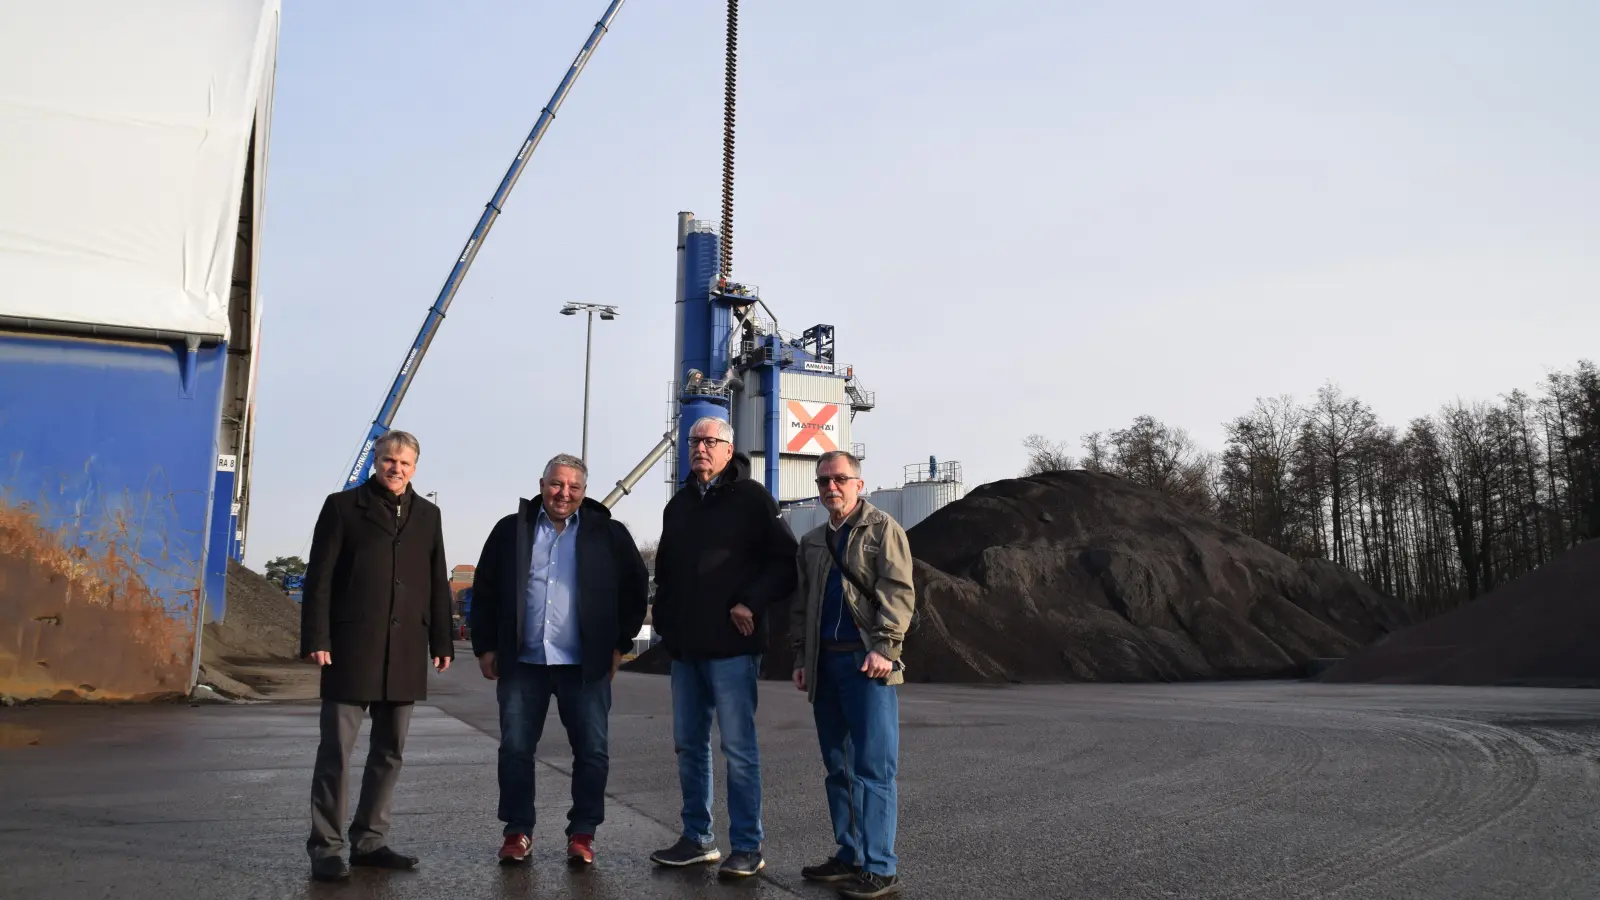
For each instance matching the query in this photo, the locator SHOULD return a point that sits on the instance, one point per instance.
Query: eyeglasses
(841, 480)
(707, 442)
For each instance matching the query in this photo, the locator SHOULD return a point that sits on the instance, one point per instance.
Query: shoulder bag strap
(844, 570)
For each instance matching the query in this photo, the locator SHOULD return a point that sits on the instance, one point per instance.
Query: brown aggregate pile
(254, 651)
(1542, 629)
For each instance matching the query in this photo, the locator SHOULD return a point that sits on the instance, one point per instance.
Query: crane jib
(358, 472)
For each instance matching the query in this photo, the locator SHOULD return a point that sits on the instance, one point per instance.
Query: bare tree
(1453, 505)
(1045, 455)
(1334, 428)
(1163, 458)
(1253, 490)
(1097, 452)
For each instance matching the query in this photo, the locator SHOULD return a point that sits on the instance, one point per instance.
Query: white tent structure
(126, 131)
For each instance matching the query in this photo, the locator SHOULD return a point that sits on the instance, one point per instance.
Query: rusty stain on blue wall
(105, 503)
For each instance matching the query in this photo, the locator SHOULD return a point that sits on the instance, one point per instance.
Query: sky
(1023, 217)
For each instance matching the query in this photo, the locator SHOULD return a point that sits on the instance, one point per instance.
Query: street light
(607, 313)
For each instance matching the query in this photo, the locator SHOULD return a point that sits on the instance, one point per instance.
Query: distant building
(460, 583)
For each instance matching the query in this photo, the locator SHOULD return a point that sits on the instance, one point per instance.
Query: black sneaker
(835, 869)
(870, 884)
(686, 853)
(742, 864)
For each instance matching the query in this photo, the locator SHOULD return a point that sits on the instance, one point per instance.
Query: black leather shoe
(384, 858)
(329, 868)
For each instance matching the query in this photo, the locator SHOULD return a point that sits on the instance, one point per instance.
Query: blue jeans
(728, 687)
(524, 692)
(858, 726)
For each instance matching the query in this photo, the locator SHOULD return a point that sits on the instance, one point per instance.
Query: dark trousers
(341, 723)
(524, 691)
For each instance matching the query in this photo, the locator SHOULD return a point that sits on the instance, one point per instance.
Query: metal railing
(933, 470)
(860, 399)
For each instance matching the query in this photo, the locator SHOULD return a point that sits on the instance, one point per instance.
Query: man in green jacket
(847, 627)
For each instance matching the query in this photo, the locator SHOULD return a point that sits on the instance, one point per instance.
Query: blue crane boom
(458, 272)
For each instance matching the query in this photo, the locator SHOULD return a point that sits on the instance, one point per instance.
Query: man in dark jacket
(558, 596)
(724, 558)
(376, 607)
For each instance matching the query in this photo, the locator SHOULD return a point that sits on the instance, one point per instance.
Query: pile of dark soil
(1076, 576)
(1538, 629)
(261, 622)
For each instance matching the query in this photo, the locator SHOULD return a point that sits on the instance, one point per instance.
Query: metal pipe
(480, 232)
(588, 347)
(625, 486)
(772, 378)
(119, 332)
(685, 219)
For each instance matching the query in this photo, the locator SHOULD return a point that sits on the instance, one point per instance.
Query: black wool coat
(613, 588)
(376, 596)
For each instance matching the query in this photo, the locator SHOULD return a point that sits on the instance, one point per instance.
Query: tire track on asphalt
(1166, 811)
(1459, 753)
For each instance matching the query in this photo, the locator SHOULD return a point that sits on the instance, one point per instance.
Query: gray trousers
(341, 722)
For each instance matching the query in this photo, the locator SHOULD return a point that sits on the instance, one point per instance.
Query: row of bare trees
(1434, 514)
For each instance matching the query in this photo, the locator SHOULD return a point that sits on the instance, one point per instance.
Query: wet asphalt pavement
(1223, 792)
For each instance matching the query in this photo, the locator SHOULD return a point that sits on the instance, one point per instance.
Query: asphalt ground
(1217, 791)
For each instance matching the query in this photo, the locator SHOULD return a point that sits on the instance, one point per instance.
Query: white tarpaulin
(125, 134)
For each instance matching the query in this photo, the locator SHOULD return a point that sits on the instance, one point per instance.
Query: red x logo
(811, 428)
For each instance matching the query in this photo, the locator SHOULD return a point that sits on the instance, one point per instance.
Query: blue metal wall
(218, 551)
(106, 484)
(772, 423)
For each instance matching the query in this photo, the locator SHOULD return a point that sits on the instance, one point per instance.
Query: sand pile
(1075, 576)
(1538, 629)
(254, 651)
(261, 622)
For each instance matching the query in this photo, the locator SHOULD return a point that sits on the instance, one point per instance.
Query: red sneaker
(580, 849)
(515, 849)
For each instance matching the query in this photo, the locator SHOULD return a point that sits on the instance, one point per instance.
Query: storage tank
(802, 519)
(920, 500)
(889, 500)
(928, 488)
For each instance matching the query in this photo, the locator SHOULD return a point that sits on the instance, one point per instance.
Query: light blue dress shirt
(550, 627)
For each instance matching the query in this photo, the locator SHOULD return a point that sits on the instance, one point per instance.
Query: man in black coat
(724, 558)
(376, 608)
(558, 596)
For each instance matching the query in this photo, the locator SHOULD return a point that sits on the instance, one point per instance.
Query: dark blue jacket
(613, 587)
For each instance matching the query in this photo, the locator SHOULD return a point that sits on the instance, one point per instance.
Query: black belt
(840, 646)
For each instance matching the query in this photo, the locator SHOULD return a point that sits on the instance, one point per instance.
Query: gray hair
(403, 438)
(724, 427)
(569, 461)
(850, 459)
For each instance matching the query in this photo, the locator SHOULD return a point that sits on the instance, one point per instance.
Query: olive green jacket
(880, 556)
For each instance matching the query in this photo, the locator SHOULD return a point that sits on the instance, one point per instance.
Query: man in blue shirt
(558, 596)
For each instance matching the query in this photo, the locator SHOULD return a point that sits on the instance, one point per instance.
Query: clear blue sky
(1021, 217)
